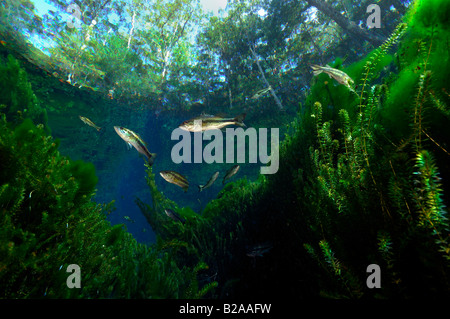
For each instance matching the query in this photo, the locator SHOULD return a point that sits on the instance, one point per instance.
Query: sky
(42, 7)
(213, 5)
(208, 5)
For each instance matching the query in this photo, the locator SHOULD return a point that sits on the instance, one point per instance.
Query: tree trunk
(131, 31)
(277, 100)
(344, 23)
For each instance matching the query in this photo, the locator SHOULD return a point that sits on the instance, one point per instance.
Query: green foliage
(370, 190)
(16, 94)
(425, 16)
(48, 221)
(429, 201)
(145, 52)
(206, 241)
(182, 240)
(385, 248)
(41, 221)
(85, 173)
(359, 179)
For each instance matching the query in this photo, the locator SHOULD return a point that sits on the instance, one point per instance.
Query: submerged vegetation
(363, 176)
(48, 221)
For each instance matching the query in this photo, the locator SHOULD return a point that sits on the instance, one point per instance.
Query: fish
(175, 178)
(211, 122)
(336, 74)
(230, 173)
(133, 139)
(174, 216)
(128, 218)
(261, 93)
(259, 250)
(210, 182)
(89, 122)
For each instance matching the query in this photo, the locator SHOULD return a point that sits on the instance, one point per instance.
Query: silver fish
(259, 250)
(175, 178)
(136, 141)
(210, 182)
(209, 122)
(336, 74)
(174, 216)
(89, 122)
(260, 93)
(230, 173)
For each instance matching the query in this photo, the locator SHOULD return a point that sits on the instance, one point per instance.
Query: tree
(345, 23)
(165, 26)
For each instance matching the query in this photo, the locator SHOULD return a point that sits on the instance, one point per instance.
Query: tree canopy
(174, 55)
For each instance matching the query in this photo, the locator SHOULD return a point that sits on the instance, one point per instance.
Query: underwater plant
(367, 157)
(363, 176)
(16, 95)
(48, 221)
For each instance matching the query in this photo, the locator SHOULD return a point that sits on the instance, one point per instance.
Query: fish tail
(317, 69)
(239, 120)
(98, 129)
(151, 158)
(200, 188)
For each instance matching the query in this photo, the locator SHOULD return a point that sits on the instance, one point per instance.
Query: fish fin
(205, 115)
(185, 189)
(221, 115)
(317, 69)
(151, 158)
(200, 188)
(129, 146)
(239, 119)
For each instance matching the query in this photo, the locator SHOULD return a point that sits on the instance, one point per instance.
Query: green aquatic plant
(186, 241)
(210, 238)
(375, 60)
(385, 247)
(43, 224)
(429, 201)
(323, 159)
(16, 94)
(348, 283)
(333, 263)
(340, 171)
(155, 212)
(360, 187)
(362, 180)
(48, 221)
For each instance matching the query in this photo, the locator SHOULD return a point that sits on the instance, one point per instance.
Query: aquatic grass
(429, 201)
(361, 164)
(17, 96)
(328, 212)
(49, 221)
